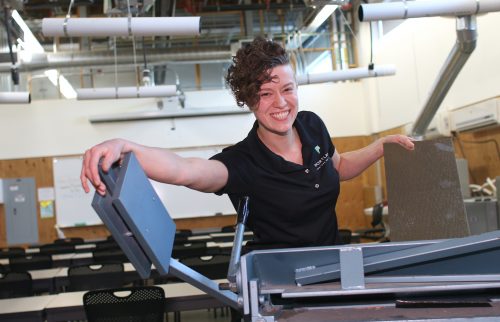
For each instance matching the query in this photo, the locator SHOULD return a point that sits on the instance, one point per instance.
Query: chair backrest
(344, 237)
(92, 277)
(228, 229)
(109, 255)
(134, 304)
(57, 248)
(9, 252)
(15, 284)
(107, 244)
(213, 267)
(194, 249)
(30, 262)
(69, 240)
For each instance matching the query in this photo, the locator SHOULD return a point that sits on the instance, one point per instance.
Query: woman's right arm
(159, 164)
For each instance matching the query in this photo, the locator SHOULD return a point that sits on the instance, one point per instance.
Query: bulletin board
(73, 205)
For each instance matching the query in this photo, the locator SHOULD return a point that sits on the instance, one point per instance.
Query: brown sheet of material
(424, 197)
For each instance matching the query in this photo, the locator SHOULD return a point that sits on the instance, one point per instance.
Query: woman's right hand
(109, 152)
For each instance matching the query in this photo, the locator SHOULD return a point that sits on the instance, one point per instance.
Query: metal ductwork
(102, 58)
(463, 48)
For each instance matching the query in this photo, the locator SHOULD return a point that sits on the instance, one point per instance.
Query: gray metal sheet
(424, 196)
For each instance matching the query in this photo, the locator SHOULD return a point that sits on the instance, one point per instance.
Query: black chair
(109, 255)
(228, 229)
(9, 252)
(92, 277)
(30, 262)
(195, 249)
(107, 245)
(378, 232)
(344, 237)
(57, 248)
(70, 240)
(133, 304)
(181, 236)
(213, 267)
(15, 284)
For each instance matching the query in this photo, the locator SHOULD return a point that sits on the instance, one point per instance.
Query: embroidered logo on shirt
(317, 148)
(322, 161)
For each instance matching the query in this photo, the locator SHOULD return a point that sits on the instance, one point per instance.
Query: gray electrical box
(20, 211)
(482, 215)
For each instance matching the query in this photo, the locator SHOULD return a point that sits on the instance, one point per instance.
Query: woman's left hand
(403, 140)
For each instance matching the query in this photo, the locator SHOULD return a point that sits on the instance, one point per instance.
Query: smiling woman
(287, 164)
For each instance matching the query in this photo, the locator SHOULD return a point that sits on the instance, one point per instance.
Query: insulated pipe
(348, 74)
(428, 8)
(125, 92)
(121, 26)
(15, 98)
(463, 48)
(104, 58)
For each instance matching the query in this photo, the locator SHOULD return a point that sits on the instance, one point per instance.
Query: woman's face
(277, 107)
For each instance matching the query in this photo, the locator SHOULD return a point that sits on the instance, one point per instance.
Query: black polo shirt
(291, 205)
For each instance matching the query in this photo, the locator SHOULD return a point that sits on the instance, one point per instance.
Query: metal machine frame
(264, 285)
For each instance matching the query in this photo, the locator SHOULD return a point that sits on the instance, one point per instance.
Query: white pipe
(15, 98)
(107, 27)
(347, 74)
(425, 8)
(125, 92)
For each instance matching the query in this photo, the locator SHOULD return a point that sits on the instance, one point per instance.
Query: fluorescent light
(416, 9)
(121, 26)
(15, 98)
(320, 18)
(347, 74)
(126, 92)
(31, 46)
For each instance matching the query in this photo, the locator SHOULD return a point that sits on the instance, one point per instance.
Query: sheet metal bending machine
(453, 279)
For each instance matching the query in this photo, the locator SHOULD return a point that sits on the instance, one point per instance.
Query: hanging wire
(133, 48)
(346, 23)
(116, 66)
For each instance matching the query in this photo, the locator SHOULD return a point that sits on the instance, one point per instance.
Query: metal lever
(234, 264)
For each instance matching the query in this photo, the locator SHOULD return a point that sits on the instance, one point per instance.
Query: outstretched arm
(351, 164)
(159, 164)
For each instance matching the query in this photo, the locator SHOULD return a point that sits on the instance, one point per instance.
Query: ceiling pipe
(103, 58)
(461, 51)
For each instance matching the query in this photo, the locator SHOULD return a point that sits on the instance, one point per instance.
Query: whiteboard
(73, 205)
(182, 202)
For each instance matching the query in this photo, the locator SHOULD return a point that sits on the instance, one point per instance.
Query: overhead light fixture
(321, 17)
(126, 92)
(347, 74)
(417, 9)
(168, 114)
(32, 46)
(121, 26)
(15, 98)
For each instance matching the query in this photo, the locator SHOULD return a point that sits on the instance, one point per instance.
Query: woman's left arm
(352, 163)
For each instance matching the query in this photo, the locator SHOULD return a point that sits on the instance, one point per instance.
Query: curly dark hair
(251, 68)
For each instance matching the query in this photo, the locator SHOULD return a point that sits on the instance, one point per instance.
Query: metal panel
(425, 200)
(136, 217)
(20, 211)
